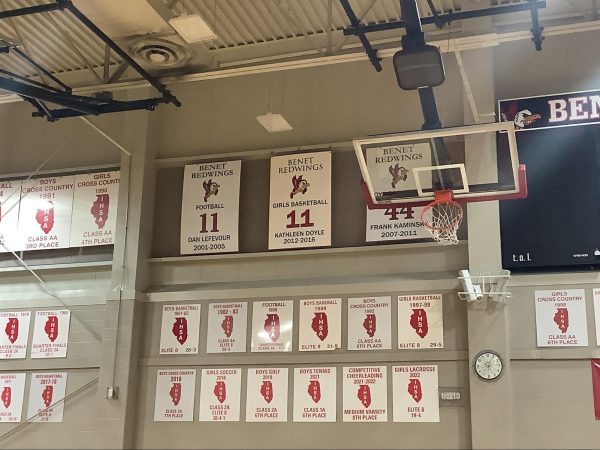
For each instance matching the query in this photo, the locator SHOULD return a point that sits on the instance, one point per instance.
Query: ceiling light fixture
(192, 28)
(274, 123)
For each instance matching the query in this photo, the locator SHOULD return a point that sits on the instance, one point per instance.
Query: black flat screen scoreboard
(557, 226)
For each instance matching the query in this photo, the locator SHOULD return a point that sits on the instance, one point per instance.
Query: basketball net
(442, 217)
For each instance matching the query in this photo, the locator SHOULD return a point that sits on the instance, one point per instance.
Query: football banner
(416, 396)
(267, 393)
(14, 334)
(51, 334)
(174, 399)
(95, 201)
(272, 326)
(227, 324)
(365, 394)
(597, 314)
(45, 394)
(320, 324)
(560, 318)
(420, 321)
(210, 207)
(220, 391)
(551, 111)
(300, 201)
(315, 394)
(369, 323)
(596, 386)
(180, 329)
(10, 196)
(45, 213)
(12, 388)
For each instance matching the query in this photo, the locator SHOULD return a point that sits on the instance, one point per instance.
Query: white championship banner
(370, 323)
(597, 314)
(45, 213)
(272, 326)
(391, 169)
(267, 394)
(51, 334)
(12, 388)
(416, 396)
(174, 400)
(180, 329)
(10, 196)
(14, 334)
(227, 325)
(315, 394)
(95, 203)
(210, 207)
(365, 394)
(220, 395)
(45, 392)
(300, 201)
(420, 321)
(560, 318)
(320, 324)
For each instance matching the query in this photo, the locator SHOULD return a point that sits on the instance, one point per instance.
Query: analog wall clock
(488, 365)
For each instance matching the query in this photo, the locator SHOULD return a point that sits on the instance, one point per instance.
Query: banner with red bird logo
(45, 394)
(416, 397)
(267, 395)
(315, 394)
(227, 325)
(560, 318)
(370, 323)
(12, 387)
(365, 394)
(180, 329)
(220, 391)
(420, 321)
(14, 334)
(174, 399)
(51, 334)
(320, 324)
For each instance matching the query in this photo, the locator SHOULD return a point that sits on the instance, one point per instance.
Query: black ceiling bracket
(371, 52)
(536, 29)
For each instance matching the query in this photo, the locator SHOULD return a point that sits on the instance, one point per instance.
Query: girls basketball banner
(46, 392)
(51, 334)
(420, 321)
(220, 395)
(10, 196)
(272, 326)
(45, 213)
(315, 394)
(210, 208)
(365, 394)
(552, 111)
(267, 395)
(370, 323)
(95, 201)
(174, 399)
(12, 388)
(416, 397)
(180, 329)
(320, 324)
(560, 318)
(227, 324)
(14, 334)
(300, 201)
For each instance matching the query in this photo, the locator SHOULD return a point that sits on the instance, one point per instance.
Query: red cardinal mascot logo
(418, 320)
(319, 325)
(414, 389)
(272, 327)
(561, 318)
(314, 390)
(370, 324)
(364, 395)
(266, 390)
(180, 329)
(12, 329)
(51, 328)
(100, 210)
(220, 391)
(227, 325)
(175, 393)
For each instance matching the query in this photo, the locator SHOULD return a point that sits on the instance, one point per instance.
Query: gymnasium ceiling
(251, 34)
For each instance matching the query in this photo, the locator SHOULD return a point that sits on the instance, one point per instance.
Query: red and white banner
(45, 213)
(320, 324)
(95, 203)
(416, 397)
(10, 196)
(220, 391)
(45, 394)
(51, 334)
(300, 201)
(14, 334)
(597, 314)
(369, 323)
(596, 386)
(560, 318)
(174, 400)
(227, 325)
(272, 326)
(395, 224)
(267, 394)
(12, 388)
(210, 207)
(420, 321)
(315, 394)
(365, 394)
(180, 329)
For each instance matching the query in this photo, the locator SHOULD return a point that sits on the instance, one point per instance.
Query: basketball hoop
(442, 217)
